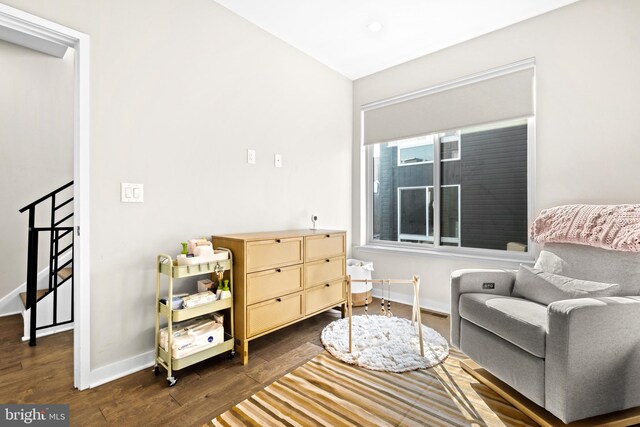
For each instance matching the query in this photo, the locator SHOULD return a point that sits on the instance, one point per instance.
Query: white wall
(36, 147)
(179, 91)
(588, 104)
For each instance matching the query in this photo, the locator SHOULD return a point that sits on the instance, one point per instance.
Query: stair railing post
(53, 245)
(53, 268)
(73, 277)
(32, 283)
(30, 259)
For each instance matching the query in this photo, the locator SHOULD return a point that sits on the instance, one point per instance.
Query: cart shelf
(190, 313)
(183, 362)
(179, 271)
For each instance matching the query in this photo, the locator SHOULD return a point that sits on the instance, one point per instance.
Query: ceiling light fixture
(374, 27)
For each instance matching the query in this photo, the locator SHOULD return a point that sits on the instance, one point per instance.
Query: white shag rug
(383, 343)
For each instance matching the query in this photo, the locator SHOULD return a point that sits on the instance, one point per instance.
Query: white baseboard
(122, 368)
(408, 300)
(146, 360)
(11, 304)
(11, 313)
(50, 331)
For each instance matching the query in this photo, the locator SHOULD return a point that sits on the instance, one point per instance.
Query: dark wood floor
(44, 374)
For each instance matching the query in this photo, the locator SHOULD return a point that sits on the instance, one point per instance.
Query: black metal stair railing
(57, 231)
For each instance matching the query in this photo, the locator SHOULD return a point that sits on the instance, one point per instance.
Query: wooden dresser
(282, 277)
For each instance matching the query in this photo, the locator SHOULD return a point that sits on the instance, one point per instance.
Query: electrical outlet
(277, 160)
(251, 156)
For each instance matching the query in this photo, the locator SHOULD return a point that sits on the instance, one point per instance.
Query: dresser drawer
(324, 246)
(323, 271)
(324, 296)
(273, 253)
(270, 314)
(273, 283)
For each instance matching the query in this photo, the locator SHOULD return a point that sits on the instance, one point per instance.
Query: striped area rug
(327, 392)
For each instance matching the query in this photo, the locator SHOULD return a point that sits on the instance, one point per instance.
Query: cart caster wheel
(231, 354)
(156, 370)
(171, 381)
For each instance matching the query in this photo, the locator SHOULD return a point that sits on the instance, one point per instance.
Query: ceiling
(336, 32)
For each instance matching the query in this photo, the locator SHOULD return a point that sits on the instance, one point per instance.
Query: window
(450, 216)
(415, 151)
(473, 194)
(415, 214)
(450, 146)
(448, 165)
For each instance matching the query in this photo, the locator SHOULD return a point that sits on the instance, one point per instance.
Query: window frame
(434, 246)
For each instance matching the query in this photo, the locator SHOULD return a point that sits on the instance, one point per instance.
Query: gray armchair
(577, 357)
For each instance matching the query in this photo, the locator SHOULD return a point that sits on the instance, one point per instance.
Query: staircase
(51, 308)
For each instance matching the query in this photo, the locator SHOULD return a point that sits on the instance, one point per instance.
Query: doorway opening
(44, 36)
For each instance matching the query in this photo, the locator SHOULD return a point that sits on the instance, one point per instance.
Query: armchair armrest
(472, 280)
(592, 363)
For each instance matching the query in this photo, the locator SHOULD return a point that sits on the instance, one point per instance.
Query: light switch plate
(131, 193)
(251, 156)
(277, 160)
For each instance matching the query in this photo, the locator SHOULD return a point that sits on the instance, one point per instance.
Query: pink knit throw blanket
(613, 227)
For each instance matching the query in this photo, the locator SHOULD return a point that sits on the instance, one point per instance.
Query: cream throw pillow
(545, 288)
(549, 262)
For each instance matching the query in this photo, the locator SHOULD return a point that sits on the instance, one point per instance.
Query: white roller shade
(493, 99)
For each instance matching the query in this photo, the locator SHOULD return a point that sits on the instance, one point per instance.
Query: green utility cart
(166, 267)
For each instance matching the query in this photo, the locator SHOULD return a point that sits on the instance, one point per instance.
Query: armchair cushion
(545, 288)
(521, 322)
(593, 356)
(473, 280)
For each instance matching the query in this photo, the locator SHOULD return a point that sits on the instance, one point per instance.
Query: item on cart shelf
(226, 293)
(219, 318)
(184, 248)
(219, 272)
(206, 285)
(193, 244)
(203, 251)
(194, 337)
(176, 301)
(181, 259)
(198, 299)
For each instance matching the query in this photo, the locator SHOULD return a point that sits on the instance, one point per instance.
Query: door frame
(30, 27)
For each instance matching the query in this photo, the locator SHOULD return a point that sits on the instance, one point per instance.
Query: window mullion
(368, 185)
(436, 191)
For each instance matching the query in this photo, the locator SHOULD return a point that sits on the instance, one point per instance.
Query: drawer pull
(327, 260)
(277, 240)
(278, 270)
(328, 235)
(279, 299)
(327, 285)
